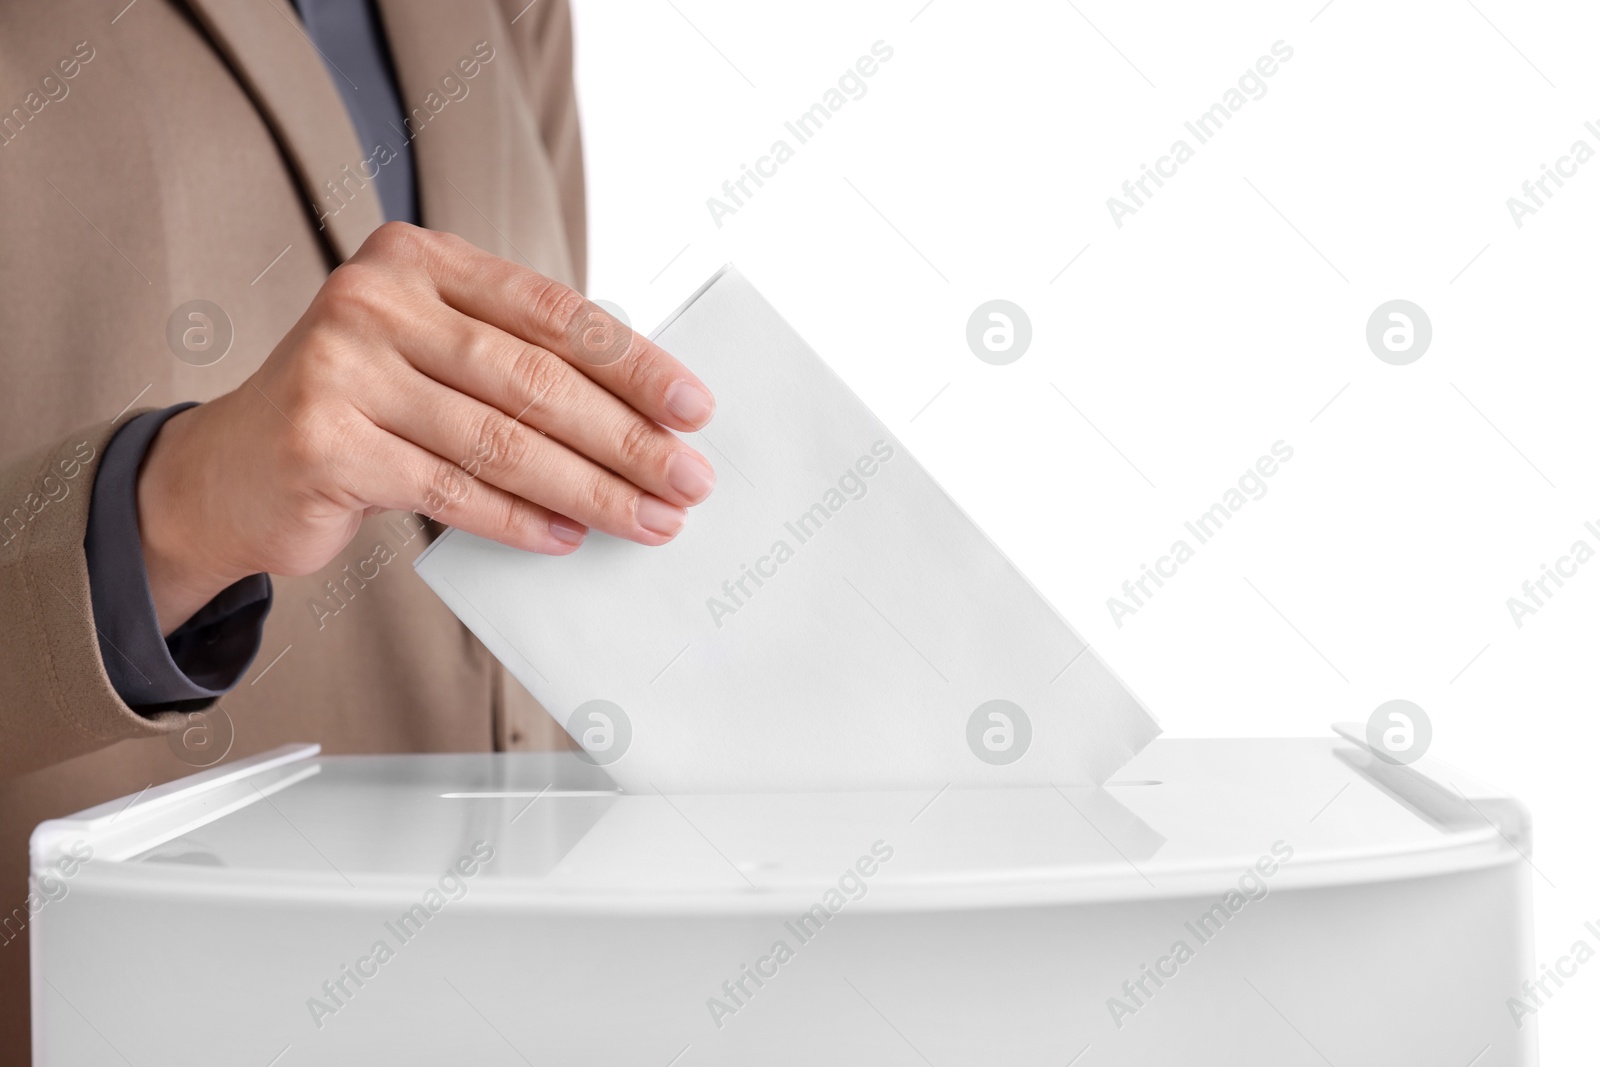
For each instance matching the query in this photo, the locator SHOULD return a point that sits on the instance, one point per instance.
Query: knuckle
(355, 290)
(555, 305)
(395, 241)
(516, 516)
(323, 371)
(500, 444)
(447, 243)
(444, 485)
(346, 282)
(473, 346)
(602, 498)
(537, 377)
(439, 253)
(636, 373)
(639, 445)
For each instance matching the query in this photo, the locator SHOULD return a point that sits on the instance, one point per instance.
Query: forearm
(195, 657)
(183, 574)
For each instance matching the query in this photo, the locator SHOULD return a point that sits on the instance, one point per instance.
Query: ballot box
(1241, 902)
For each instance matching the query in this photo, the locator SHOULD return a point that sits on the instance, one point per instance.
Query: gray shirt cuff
(200, 660)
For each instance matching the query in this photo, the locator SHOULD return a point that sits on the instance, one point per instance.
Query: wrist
(182, 563)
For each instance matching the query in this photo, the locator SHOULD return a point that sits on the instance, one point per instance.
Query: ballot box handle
(1437, 791)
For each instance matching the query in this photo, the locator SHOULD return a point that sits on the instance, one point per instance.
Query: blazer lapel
(457, 124)
(265, 44)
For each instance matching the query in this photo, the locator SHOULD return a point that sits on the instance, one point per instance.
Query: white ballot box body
(1230, 902)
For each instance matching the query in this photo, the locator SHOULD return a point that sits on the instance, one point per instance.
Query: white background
(1227, 314)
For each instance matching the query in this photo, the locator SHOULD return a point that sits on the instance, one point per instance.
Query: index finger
(544, 312)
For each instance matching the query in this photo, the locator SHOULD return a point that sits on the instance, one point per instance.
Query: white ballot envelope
(828, 619)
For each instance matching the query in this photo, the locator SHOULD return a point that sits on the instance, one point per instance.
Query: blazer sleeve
(56, 701)
(544, 37)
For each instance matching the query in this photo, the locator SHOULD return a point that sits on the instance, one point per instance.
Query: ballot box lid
(551, 832)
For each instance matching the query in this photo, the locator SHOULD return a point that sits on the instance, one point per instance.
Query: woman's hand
(430, 376)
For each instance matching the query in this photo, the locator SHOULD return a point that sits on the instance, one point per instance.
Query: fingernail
(690, 475)
(690, 402)
(658, 516)
(566, 531)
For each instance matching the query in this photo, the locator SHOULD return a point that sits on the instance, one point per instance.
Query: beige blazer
(160, 152)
